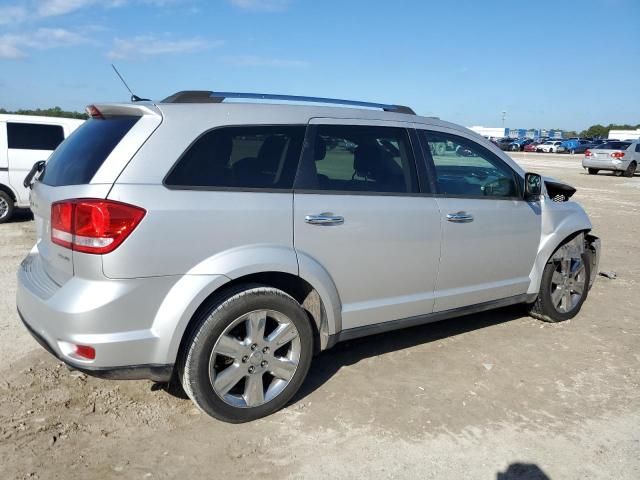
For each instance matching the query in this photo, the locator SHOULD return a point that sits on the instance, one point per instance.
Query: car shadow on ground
(523, 471)
(21, 215)
(326, 364)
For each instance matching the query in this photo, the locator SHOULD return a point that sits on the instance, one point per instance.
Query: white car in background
(550, 146)
(24, 140)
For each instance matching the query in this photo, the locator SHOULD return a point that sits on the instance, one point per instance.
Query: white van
(24, 140)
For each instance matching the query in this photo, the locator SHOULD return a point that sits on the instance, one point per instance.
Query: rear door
(490, 235)
(71, 172)
(29, 142)
(359, 213)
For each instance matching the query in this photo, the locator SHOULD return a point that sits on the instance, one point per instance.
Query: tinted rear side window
(80, 156)
(241, 157)
(34, 136)
(357, 158)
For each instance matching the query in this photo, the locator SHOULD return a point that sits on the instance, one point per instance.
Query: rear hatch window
(79, 157)
(614, 146)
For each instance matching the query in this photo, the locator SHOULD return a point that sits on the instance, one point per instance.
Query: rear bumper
(157, 373)
(115, 317)
(605, 164)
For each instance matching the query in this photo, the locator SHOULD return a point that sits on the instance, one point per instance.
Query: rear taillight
(92, 225)
(617, 154)
(587, 153)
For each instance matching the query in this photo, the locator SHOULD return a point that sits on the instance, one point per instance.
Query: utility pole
(504, 115)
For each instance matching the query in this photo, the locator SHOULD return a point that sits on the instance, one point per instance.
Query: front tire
(248, 355)
(563, 289)
(6, 207)
(593, 171)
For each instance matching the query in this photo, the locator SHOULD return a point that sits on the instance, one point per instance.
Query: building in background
(625, 134)
(501, 132)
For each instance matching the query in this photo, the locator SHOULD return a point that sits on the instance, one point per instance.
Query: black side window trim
(307, 174)
(422, 133)
(204, 188)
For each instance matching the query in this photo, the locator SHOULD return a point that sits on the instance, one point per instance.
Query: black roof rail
(205, 96)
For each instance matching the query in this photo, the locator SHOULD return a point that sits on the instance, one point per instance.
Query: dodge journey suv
(223, 244)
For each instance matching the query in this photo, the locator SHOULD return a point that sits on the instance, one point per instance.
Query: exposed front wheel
(249, 355)
(563, 289)
(6, 207)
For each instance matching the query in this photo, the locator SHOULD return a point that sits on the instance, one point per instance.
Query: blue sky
(553, 64)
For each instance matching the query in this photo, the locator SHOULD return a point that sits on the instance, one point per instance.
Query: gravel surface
(497, 395)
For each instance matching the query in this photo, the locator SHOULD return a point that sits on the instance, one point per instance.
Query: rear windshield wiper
(37, 168)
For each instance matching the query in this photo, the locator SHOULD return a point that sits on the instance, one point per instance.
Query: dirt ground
(491, 396)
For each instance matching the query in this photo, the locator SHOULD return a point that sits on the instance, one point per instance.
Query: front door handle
(324, 219)
(460, 217)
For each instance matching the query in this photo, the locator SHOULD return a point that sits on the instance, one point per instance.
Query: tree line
(599, 131)
(48, 112)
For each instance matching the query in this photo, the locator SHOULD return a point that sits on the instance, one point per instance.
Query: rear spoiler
(102, 110)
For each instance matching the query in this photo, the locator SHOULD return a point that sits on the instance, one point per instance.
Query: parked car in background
(570, 146)
(24, 140)
(531, 147)
(621, 158)
(524, 142)
(583, 147)
(550, 146)
(224, 244)
(509, 144)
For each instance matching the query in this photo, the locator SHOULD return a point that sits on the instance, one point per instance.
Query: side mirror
(532, 187)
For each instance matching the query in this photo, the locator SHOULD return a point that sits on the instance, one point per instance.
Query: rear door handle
(324, 219)
(460, 217)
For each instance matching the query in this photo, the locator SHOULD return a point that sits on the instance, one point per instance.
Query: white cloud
(52, 8)
(10, 14)
(256, 61)
(261, 5)
(35, 9)
(19, 45)
(149, 45)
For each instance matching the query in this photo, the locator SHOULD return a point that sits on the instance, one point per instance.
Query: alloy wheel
(4, 207)
(568, 284)
(255, 358)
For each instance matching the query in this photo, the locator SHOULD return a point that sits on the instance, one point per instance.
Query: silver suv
(223, 244)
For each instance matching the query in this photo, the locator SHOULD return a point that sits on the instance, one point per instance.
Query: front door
(358, 214)
(490, 235)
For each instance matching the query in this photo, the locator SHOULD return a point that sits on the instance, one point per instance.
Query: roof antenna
(134, 97)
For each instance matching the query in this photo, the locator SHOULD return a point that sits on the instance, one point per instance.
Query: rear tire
(248, 355)
(593, 171)
(631, 170)
(561, 296)
(6, 207)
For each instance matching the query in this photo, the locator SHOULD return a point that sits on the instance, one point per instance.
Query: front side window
(356, 158)
(34, 136)
(464, 168)
(241, 157)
